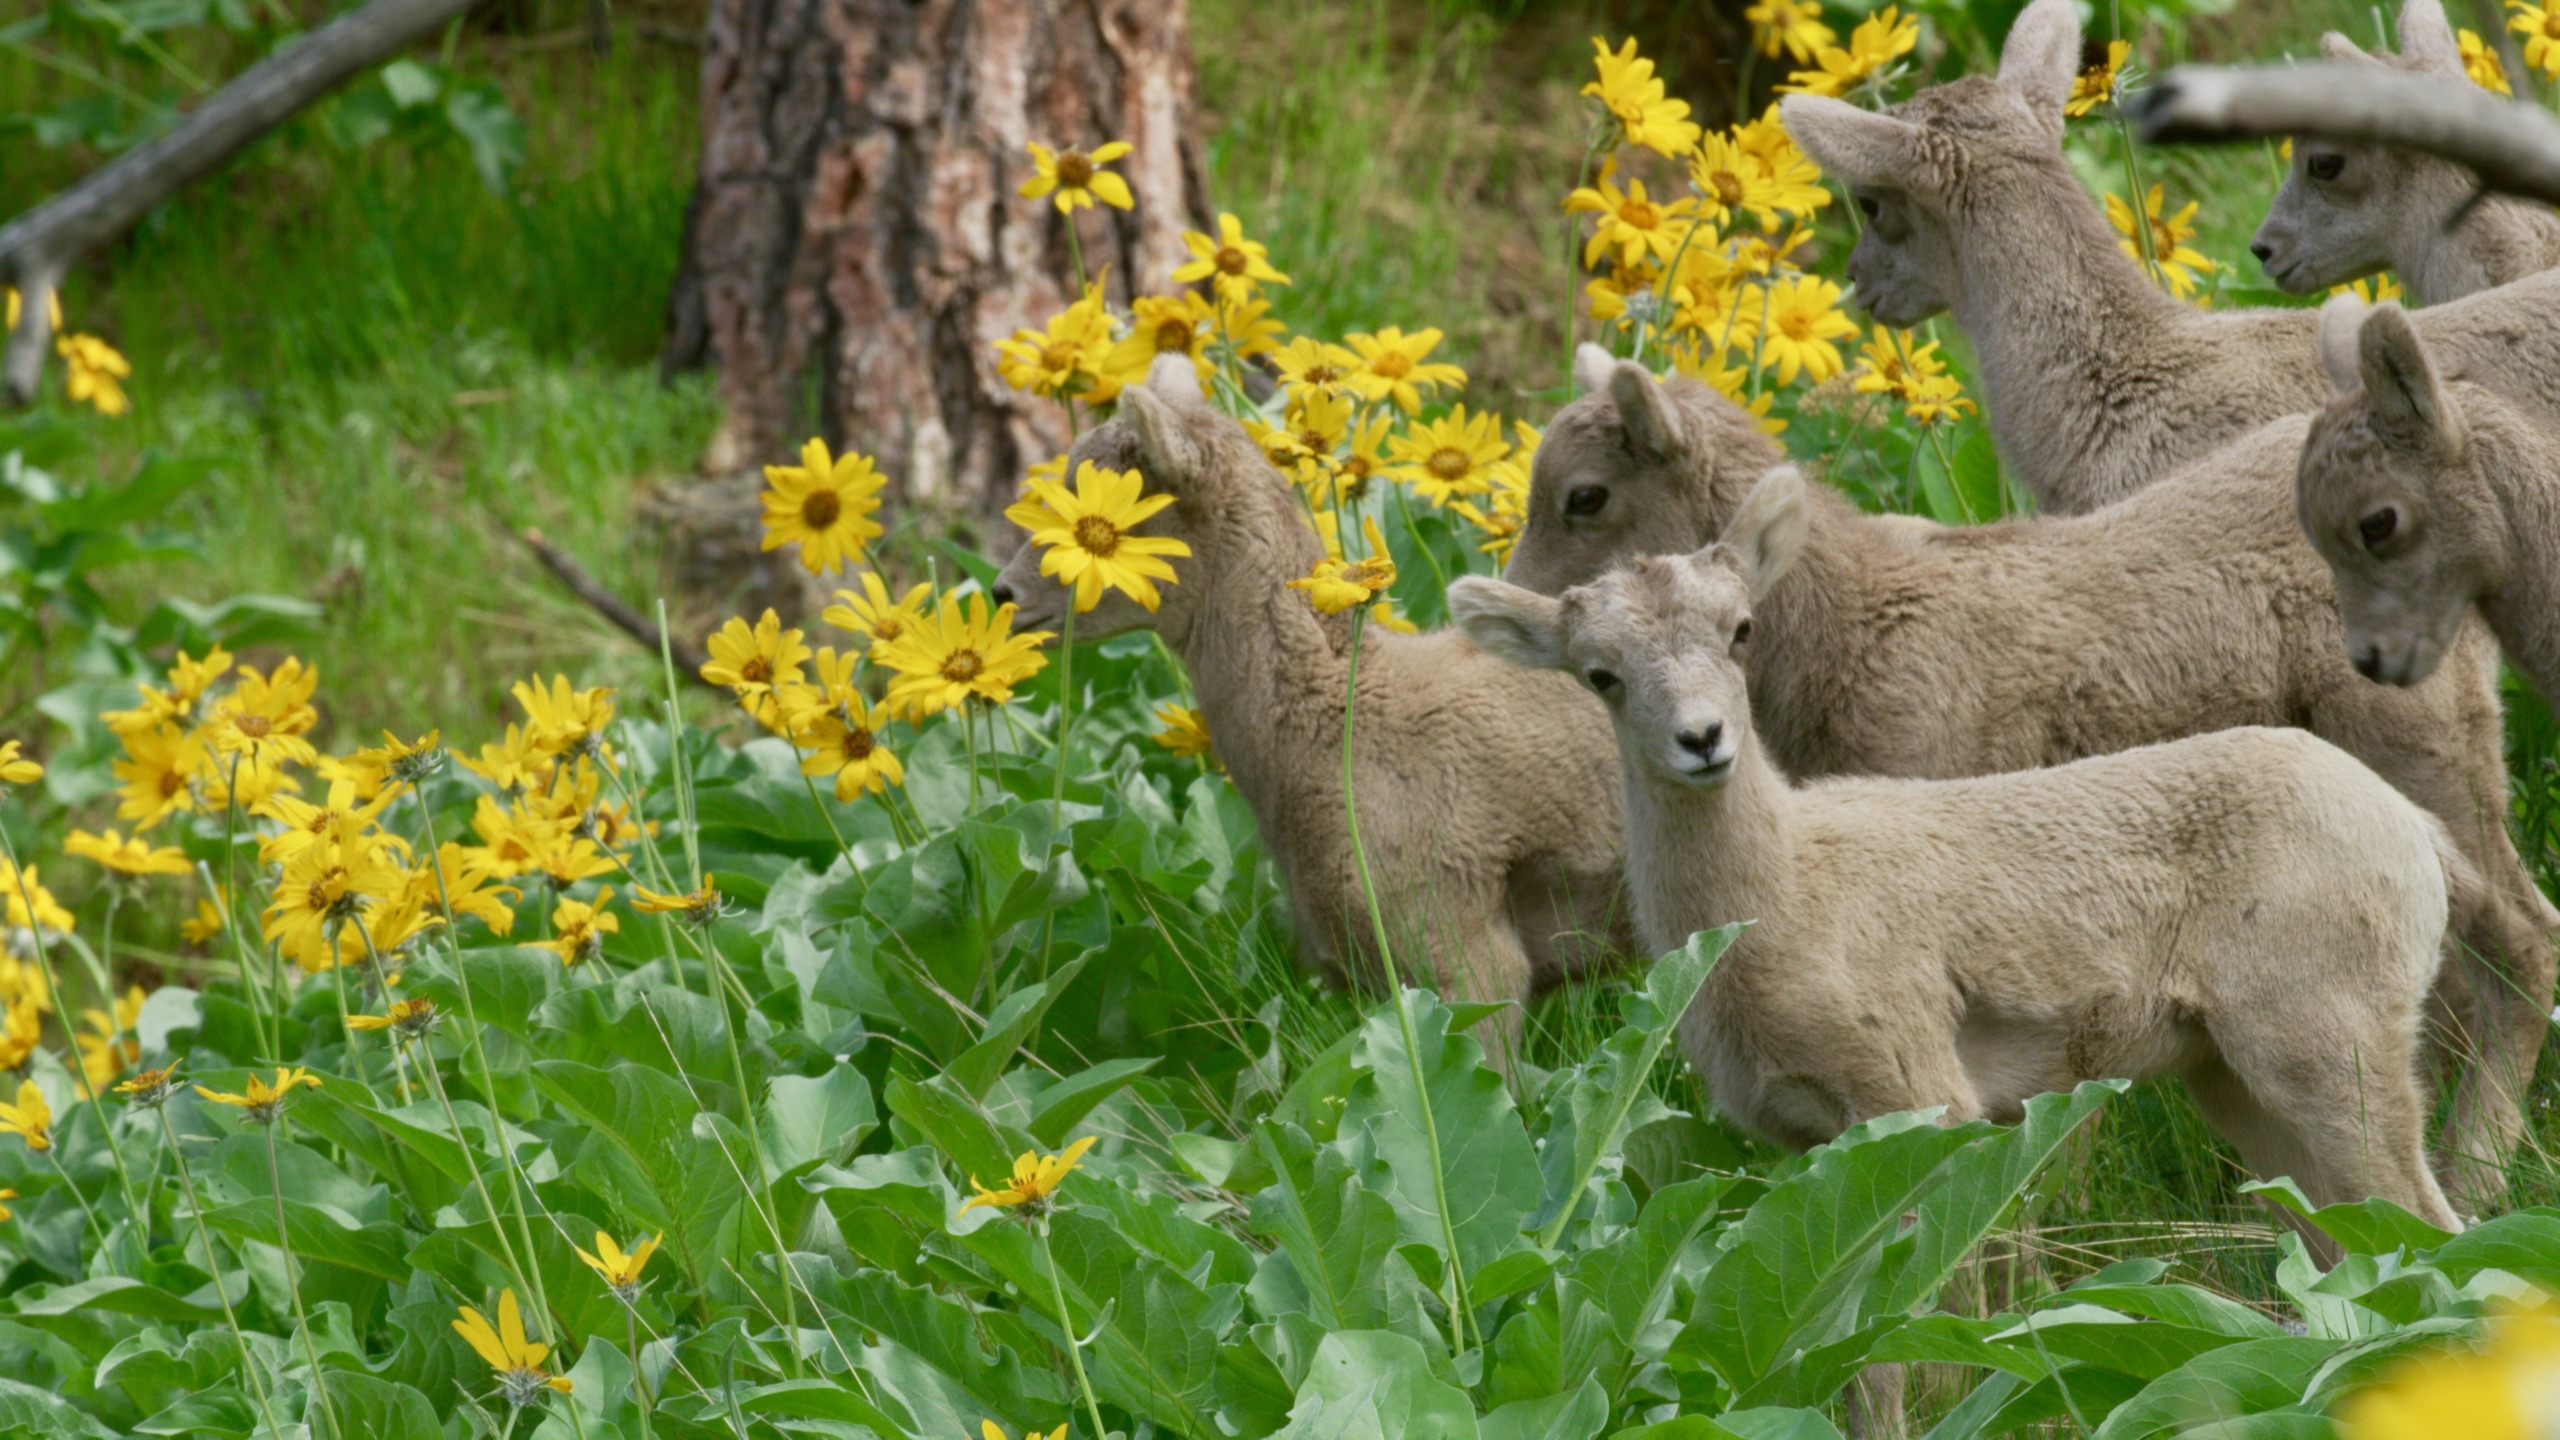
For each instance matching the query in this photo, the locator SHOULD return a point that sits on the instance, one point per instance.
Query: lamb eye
(1601, 680)
(1742, 632)
(1586, 499)
(2326, 167)
(2378, 526)
(1867, 206)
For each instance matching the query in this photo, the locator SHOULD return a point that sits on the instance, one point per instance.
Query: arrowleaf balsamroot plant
(973, 1093)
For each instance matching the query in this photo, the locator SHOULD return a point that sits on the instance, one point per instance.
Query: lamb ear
(2334, 46)
(1177, 378)
(1171, 450)
(2400, 380)
(2042, 55)
(1592, 367)
(1768, 532)
(1508, 622)
(2427, 42)
(1858, 146)
(2340, 320)
(1644, 412)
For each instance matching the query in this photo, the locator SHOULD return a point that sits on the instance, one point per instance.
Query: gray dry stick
(2514, 149)
(36, 247)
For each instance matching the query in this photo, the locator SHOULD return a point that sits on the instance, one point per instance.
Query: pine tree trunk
(856, 246)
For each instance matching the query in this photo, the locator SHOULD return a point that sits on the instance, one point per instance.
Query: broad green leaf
(1333, 1235)
(821, 1117)
(1013, 1021)
(687, 1183)
(1632, 1275)
(1805, 1251)
(1594, 1106)
(2093, 1335)
(2364, 1227)
(2525, 1243)
(2233, 1381)
(1377, 1385)
(382, 1410)
(1063, 1105)
(938, 1111)
(1577, 1414)
(1977, 1187)
(1432, 1126)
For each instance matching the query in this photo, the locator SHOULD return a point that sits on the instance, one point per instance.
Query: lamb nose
(1003, 593)
(2369, 664)
(1702, 742)
(2262, 250)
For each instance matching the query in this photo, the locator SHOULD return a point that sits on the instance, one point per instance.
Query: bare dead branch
(2514, 149)
(36, 247)
(689, 657)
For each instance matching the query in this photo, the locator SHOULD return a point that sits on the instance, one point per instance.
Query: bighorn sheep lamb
(2348, 211)
(1503, 876)
(2429, 495)
(1939, 652)
(2251, 910)
(2096, 381)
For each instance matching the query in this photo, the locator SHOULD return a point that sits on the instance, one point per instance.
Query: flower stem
(1351, 810)
(213, 1266)
(1066, 714)
(1067, 1325)
(293, 1285)
(54, 1154)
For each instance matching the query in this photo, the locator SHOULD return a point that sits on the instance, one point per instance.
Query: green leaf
(1062, 1105)
(1014, 1019)
(2236, 1380)
(382, 1410)
(939, 1112)
(1612, 1094)
(2525, 1243)
(1439, 1128)
(319, 1233)
(1976, 1187)
(1632, 1276)
(823, 1117)
(1333, 1235)
(1577, 1414)
(2094, 1335)
(664, 1172)
(1804, 1252)
(1376, 1385)
(2363, 1227)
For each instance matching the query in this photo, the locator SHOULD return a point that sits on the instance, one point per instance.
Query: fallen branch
(2514, 149)
(38, 246)
(689, 657)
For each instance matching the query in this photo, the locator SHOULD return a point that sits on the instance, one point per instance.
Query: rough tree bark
(856, 247)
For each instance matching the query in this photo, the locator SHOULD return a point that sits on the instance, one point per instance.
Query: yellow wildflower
(1311, 366)
(699, 906)
(108, 1043)
(518, 1362)
(1392, 367)
(1803, 319)
(2540, 27)
(204, 927)
(156, 773)
(1178, 324)
(753, 661)
(15, 769)
(1794, 26)
(1246, 323)
(1333, 586)
(149, 1088)
(845, 742)
(578, 928)
(959, 652)
(30, 1119)
(1035, 1178)
(189, 678)
(1634, 97)
(93, 371)
(26, 904)
(1077, 178)
(1879, 40)
(823, 505)
(319, 892)
(2508, 1389)
(2095, 85)
(2371, 291)
(2180, 266)
(1631, 226)
(1730, 180)
(621, 1271)
(260, 1100)
(1450, 456)
(1233, 264)
(1086, 540)
(1185, 732)
(126, 857)
(872, 614)
(1067, 356)
(2479, 61)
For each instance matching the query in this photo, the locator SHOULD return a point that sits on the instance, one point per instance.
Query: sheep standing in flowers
(2428, 496)
(1894, 648)
(2251, 910)
(1487, 796)
(2095, 381)
(2348, 211)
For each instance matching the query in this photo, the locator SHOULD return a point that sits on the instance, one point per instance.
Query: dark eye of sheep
(1586, 500)
(1867, 206)
(1742, 632)
(1601, 680)
(2326, 167)
(2378, 526)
